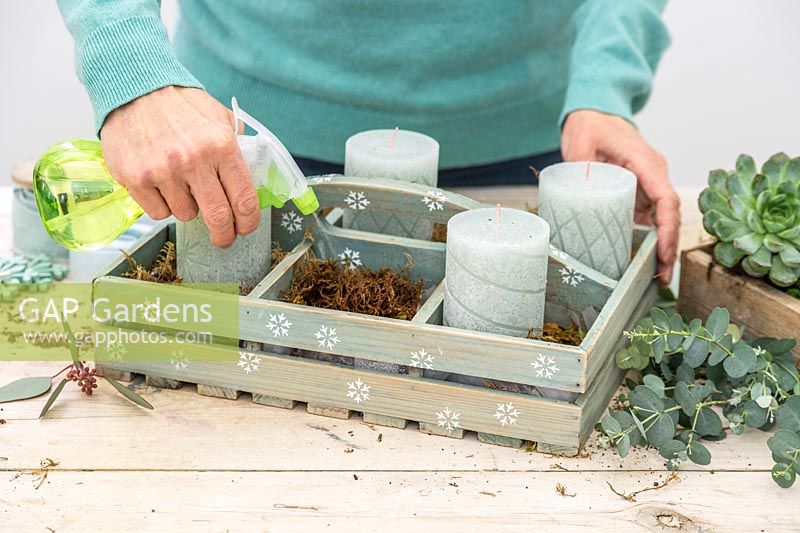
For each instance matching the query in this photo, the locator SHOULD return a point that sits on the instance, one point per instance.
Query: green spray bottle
(84, 208)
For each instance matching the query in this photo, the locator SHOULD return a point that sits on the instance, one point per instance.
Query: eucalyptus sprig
(690, 371)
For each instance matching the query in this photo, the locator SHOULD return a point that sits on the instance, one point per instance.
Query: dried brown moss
(330, 285)
(439, 232)
(552, 332)
(164, 269)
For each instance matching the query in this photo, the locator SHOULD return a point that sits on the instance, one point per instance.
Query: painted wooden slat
(394, 341)
(280, 277)
(424, 259)
(391, 196)
(593, 403)
(431, 311)
(398, 396)
(605, 332)
(367, 337)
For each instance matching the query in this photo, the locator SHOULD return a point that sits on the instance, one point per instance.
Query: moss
(330, 285)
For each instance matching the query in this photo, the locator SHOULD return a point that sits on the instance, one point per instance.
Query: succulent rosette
(756, 217)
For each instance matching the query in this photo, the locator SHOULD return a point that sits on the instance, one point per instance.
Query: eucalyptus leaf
(25, 388)
(708, 422)
(661, 430)
(610, 425)
(784, 444)
(685, 373)
(717, 322)
(696, 353)
(129, 394)
(673, 449)
(754, 416)
(684, 397)
(788, 415)
(73, 348)
(720, 350)
(660, 319)
(644, 398)
(741, 361)
(626, 420)
(783, 475)
(674, 339)
(49, 403)
(654, 383)
(698, 453)
(669, 403)
(624, 446)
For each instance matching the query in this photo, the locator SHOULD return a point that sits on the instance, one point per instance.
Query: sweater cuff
(125, 60)
(598, 95)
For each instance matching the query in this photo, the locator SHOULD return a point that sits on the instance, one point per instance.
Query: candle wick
(498, 217)
(394, 136)
(588, 167)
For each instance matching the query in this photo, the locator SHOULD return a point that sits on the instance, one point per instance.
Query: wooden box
(422, 346)
(762, 309)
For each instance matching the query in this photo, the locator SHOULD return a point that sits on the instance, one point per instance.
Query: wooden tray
(575, 292)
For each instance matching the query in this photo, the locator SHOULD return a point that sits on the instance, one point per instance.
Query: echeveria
(756, 217)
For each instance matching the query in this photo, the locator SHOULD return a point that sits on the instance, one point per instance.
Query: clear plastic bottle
(84, 208)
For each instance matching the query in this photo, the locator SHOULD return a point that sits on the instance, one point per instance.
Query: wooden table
(202, 463)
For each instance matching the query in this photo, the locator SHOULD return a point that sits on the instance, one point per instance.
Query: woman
(501, 85)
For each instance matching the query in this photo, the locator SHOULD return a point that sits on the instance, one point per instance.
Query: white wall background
(729, 84)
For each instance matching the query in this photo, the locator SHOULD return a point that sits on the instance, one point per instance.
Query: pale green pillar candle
(589, 207)
(395, 154)
(245, 262)
(496, 271)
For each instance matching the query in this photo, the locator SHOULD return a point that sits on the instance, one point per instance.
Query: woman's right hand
(175, 152)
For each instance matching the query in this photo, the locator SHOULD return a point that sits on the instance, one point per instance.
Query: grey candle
(589, 207)
(496, 271)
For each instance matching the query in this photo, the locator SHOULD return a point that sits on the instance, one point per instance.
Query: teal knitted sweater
(490, 80)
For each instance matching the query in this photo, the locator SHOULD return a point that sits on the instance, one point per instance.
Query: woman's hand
(593, 136)
(175, 152)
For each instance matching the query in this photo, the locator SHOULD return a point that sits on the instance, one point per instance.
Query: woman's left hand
(594, 136)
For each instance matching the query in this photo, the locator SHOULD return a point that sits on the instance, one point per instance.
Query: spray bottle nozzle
(276, 176)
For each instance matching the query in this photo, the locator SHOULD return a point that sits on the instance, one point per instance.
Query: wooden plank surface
(392, 501)
(202, 463)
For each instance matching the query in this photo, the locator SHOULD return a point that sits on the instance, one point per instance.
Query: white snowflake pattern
(291, 222)
(320, 179)
(279, 325)
(116, 351)
(356, 200)
(249, 362)
(435, 200)
(178, 360)
(422, 359)
(358, 391)
(545, 367)
(350, 258)
(151, 311)
(506, 414)
(448, 419)
(326, 337)
(570, 277)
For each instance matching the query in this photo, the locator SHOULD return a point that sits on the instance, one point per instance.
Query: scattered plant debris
(39, 474)
(673, 476)
(561, 489)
